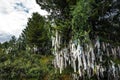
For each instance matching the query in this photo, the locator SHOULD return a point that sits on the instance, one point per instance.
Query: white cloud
(14, 15)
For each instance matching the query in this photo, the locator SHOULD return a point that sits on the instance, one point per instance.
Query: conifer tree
(37, 33)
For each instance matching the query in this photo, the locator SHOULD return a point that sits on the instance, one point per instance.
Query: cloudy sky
(14, 15)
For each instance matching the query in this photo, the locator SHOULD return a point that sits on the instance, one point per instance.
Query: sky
(14, 15)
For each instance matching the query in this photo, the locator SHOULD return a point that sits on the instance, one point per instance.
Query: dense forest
(77, 40)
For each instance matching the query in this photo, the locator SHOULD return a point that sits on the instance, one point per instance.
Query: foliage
(20, 64)
(80, 25)
(59, 9)
(29, 66)
(37, 33)
(104, 20)
(73, 19)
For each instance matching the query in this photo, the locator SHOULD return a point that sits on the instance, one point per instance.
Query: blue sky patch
(20, 6)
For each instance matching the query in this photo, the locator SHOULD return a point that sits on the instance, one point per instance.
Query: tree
(5, 45)
(0, 45)
(21, 43)
(58, 9)
(105, 20)
(80, 24)
(60, 16)
(37, 33)
(94, 26)
(13, 40)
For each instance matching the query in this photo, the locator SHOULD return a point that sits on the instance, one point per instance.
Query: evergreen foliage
(105, 20)
(77, 21)
(37, 33)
